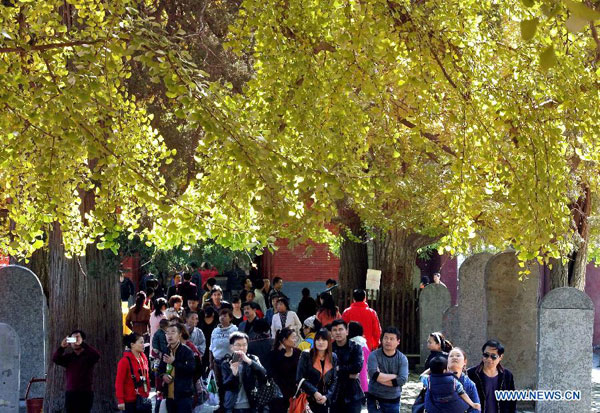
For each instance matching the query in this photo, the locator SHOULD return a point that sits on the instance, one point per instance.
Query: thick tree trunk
(84, 295)
(395, 253)
(354, 258)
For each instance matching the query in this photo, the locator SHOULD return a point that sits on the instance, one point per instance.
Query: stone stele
(565, 333)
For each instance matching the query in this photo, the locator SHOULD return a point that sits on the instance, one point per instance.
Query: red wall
(297, 265)
(131, 269)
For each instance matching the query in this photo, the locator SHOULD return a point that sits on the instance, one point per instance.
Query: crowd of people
(259, 355)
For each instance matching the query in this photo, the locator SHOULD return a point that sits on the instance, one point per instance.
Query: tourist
(207, 287)
(149, 302)
(176, 370)
(196, 277)
(388, 371)
(266, 292)
(235, 278)
(250, 316)
(175, 307)
(193, 304)
(490, 376)
(437, 346)
(242, 372)
(219, 347)
(209, 320)
(247, 287)
(285, 318)
(319, 369)
(350, 361)
(138, 317)
(238, 313)
(277, 287)
(272, 310)
(158, 314)
(173, 288)
(283, 360)
(133, 363)
(127, 288)
(457, 364)
(360, 311)
(79, 368)
(444, 391)
(307, 306)
(328, 311)
(216, 299)
(187, 288)
(356, 334)
(196, 334)
(437, 279)
(424, 282)
(159, 341)
(309, 328)
(259, 297)
(262, 343)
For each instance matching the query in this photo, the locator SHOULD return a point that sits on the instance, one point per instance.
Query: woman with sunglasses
(490, 376)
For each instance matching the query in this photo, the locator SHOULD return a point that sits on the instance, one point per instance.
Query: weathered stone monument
(472, 314)
(512, 315)
(23, 307)
(565, 332)
(450, 326)
(10, 350)
(433, 301)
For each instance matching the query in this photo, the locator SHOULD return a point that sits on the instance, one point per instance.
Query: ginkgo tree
(426, 120)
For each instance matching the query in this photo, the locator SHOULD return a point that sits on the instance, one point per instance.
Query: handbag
(299, 403)
(212, 389)
(266, 393)
(142, 404)
(419, 405)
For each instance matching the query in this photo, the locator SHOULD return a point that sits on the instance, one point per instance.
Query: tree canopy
(473, 121)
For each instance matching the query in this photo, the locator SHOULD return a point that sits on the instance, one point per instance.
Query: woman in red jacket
(125, 388)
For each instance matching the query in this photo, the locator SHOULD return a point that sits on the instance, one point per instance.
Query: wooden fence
(394, 308)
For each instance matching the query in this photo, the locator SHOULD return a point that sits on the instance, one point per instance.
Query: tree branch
(42, 47)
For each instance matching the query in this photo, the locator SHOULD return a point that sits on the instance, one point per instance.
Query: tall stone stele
(433, 302)
(512, 309)
(23, 307)
(10, 350)
(565, 334)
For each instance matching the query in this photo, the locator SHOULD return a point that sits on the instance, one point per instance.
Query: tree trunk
(84, 294)
(354, 258)
(395, 254)
(572, 274)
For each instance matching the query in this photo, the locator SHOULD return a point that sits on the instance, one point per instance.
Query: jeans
(376, 406)
(78, 401)
(179, 406)
(130, 407)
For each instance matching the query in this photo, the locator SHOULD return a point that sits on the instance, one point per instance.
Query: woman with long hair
(138, 317)
(318, 368)
(158, 314)
(283, 359)
(328, 311)
(134, 362)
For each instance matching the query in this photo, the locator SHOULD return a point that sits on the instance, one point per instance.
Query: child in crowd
(438, 346)
(159, 340)
(444, 391)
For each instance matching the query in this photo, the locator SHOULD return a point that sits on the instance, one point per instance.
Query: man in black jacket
(177, 372)
(490, 376)
(350, 361)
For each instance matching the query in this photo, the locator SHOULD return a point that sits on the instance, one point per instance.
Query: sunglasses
(492, 356)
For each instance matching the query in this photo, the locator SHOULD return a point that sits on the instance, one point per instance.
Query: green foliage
(433, 116)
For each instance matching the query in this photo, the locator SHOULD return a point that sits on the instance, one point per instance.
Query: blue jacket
(442, 394)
